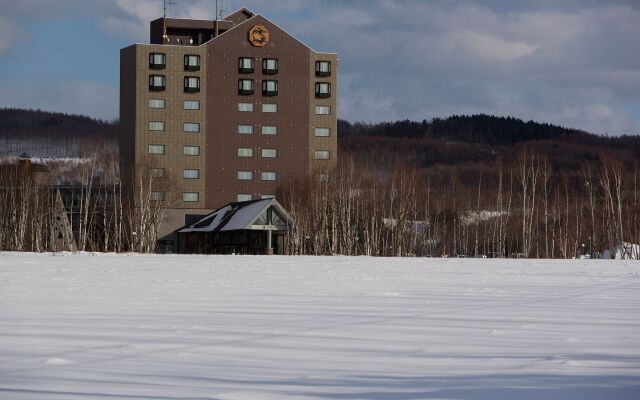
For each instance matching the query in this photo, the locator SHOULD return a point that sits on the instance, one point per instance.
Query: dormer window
(269, 66)
(192, 62)
(269, 88)
(323, 68)
(246, 65)
(245, 86)
(157, 60)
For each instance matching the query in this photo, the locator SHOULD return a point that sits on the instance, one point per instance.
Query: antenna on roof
(165, 5)
(222, 7)
(219, 12)
(216, 30)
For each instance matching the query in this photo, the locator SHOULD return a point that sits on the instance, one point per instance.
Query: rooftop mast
(219, 12)
(165, 5)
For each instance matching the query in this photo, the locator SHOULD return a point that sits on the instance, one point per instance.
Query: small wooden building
(246, 227)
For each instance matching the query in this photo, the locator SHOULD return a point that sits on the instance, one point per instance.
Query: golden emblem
(258, 36)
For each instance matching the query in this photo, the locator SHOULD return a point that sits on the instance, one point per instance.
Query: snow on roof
(234, 216)
(246, 215)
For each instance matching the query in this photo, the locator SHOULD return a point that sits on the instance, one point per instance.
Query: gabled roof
(239, 16)
(242, 215)
(251, 16)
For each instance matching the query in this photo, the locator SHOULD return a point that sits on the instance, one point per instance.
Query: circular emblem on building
(259, 35)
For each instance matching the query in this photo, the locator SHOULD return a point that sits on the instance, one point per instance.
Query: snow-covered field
(233, 327)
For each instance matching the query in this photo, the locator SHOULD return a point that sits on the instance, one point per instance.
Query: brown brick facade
(218, 163)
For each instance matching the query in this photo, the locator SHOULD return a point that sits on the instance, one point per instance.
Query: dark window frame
(190, 89)
(323, 73)
(187, 66)
(268, 71)
(244, 70)
(242, 90)
(155, 88)
(322, 95)
(153, 65)
(265, 91)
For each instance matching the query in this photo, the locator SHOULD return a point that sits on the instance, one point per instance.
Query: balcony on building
(185, 32)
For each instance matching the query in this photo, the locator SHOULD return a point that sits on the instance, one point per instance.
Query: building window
(323, 178)
(156, 149)
(245, 129)
(156, 196)
(323, 68)
(244, 197)
(269, 88)
(269, 66)
(191, 84)
(245, 86)
(191, 173)
(191, 150)
(245, 175)
(190, 197)
(269, 108)
(157, 60)
(323, 90)
(245, 107)
(245, 152)
(191, 127)
(269, 153)
(157, 82)
(157, 172)
(156, 103)
(323, 110)
(321, 154)
(322, 132)
(191, 104)
(268, 196)
(191, 62)
(246, 65)
(156, 125)
(269, 130)
(268, 176)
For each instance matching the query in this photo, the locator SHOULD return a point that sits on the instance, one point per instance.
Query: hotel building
(226, 111)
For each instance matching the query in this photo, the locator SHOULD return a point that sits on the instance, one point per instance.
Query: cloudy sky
(570, 62)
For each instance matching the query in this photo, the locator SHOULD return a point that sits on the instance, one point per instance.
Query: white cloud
(91, 98)
(487, 46)
(573, 63)
(131, 18)
(9, 34)
(423, 59)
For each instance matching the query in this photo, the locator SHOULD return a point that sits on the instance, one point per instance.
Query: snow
(166, 327)
(241, 218)
(245, 215)
(214, 222)
(627, 251)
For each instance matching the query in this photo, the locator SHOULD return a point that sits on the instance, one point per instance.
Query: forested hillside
(477, 139)
(50, 134)
(464, 185)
